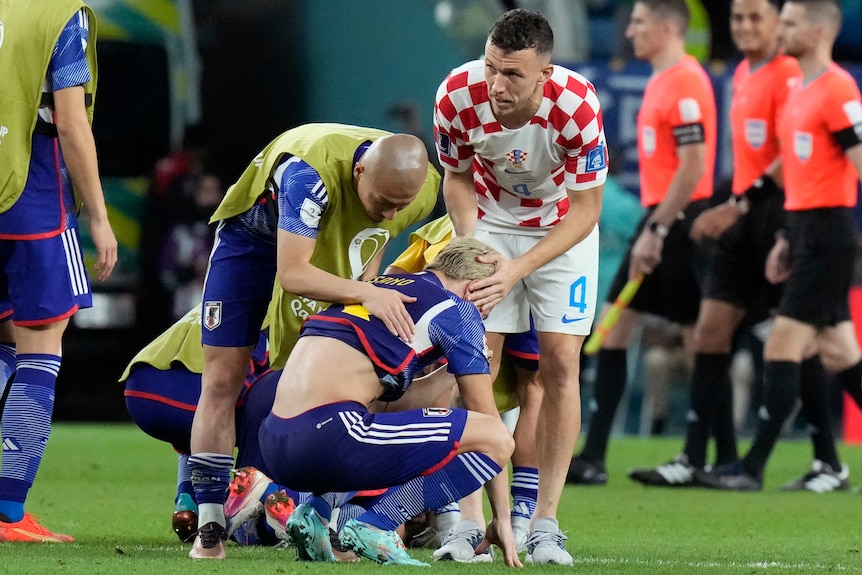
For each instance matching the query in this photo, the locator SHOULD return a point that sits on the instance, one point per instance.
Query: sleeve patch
(310, 213)
(597, 159)
(689, 110)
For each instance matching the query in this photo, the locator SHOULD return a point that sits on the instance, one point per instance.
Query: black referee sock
(710, 376)
(781, 389)
(814, 392)
(723, 425)
(851, 382)
(611, 375)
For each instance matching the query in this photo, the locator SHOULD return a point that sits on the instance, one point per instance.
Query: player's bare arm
(423, 392)
(79, 152)
(476, 395)
(459, 193)
(585, 208)
(646, 253)
(296, 274)
(714, 221)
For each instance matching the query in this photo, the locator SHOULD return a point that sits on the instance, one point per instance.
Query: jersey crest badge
(517, 158)
(648, 140)
(803, 143)
(212, 314)
(435, 411)
(755, 133)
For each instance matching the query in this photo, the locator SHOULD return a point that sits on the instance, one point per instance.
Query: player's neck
(758, 59)
(667, 57)
(813, 65)
(522, 116)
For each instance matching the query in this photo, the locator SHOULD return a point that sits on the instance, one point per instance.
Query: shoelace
(471, 536)
(555, 538)
(211, 535)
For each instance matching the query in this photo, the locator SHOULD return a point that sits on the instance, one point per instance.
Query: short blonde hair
(458, 259)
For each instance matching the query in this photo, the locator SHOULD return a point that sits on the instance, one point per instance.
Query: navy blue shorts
(523, 349)
(163, 402)
(343, 447)
(238, 287)
(43, 280)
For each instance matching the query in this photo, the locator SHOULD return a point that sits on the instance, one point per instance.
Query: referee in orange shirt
(820, 131)
(676, 156)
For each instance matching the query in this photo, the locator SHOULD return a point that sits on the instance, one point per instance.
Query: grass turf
(112, 488)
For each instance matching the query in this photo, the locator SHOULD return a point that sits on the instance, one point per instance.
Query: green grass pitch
(112, 488)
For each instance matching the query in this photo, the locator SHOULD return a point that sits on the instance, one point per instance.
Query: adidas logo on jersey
(9, 445)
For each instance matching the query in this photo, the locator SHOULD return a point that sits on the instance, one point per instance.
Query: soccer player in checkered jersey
(736, 283)
(676, 156)
(523, 148)
(49, 168)
(820, 132)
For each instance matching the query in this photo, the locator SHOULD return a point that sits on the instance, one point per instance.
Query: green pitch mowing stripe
(112, 488)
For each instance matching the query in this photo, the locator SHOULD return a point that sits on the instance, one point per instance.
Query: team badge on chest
(803, 144)
(517, 158)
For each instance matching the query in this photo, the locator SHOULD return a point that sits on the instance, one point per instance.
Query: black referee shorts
(736, 271)
(672, 291)
(822, 255)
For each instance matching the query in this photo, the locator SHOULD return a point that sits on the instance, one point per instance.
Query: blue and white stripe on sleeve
(68, 66)
(302, 198)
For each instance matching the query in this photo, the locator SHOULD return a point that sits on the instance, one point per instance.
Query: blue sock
(525, 491)
(210, 475)
(26, 425)
(7, 364)
(347, 512)
(460, 477)
(184, 476)
(319, 503)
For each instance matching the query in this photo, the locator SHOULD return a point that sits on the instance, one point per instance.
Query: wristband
(657, 229)
(762, 188)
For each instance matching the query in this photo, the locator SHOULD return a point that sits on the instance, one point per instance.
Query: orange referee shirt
(819, 121)
(758, 99)
(678, 109)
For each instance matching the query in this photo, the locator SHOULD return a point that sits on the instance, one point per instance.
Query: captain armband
(849, 137)
(686, 134)
(762, 188)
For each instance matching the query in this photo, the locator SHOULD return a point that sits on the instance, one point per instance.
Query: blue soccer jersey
(301, 197)
(46, 207)
(446, 327)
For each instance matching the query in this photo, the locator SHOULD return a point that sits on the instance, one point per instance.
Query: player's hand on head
(387, 305)
(106, 247)
(488, 292)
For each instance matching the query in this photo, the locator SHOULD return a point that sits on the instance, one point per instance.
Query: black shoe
(730, 477)
(821, 479)
(674, 473)
(582, 472)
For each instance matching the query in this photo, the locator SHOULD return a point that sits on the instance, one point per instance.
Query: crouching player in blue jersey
(516, 385)
(321, 437)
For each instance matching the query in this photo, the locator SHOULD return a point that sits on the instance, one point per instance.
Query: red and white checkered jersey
(521, 175)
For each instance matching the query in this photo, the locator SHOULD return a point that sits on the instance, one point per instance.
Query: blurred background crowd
(210, 82)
